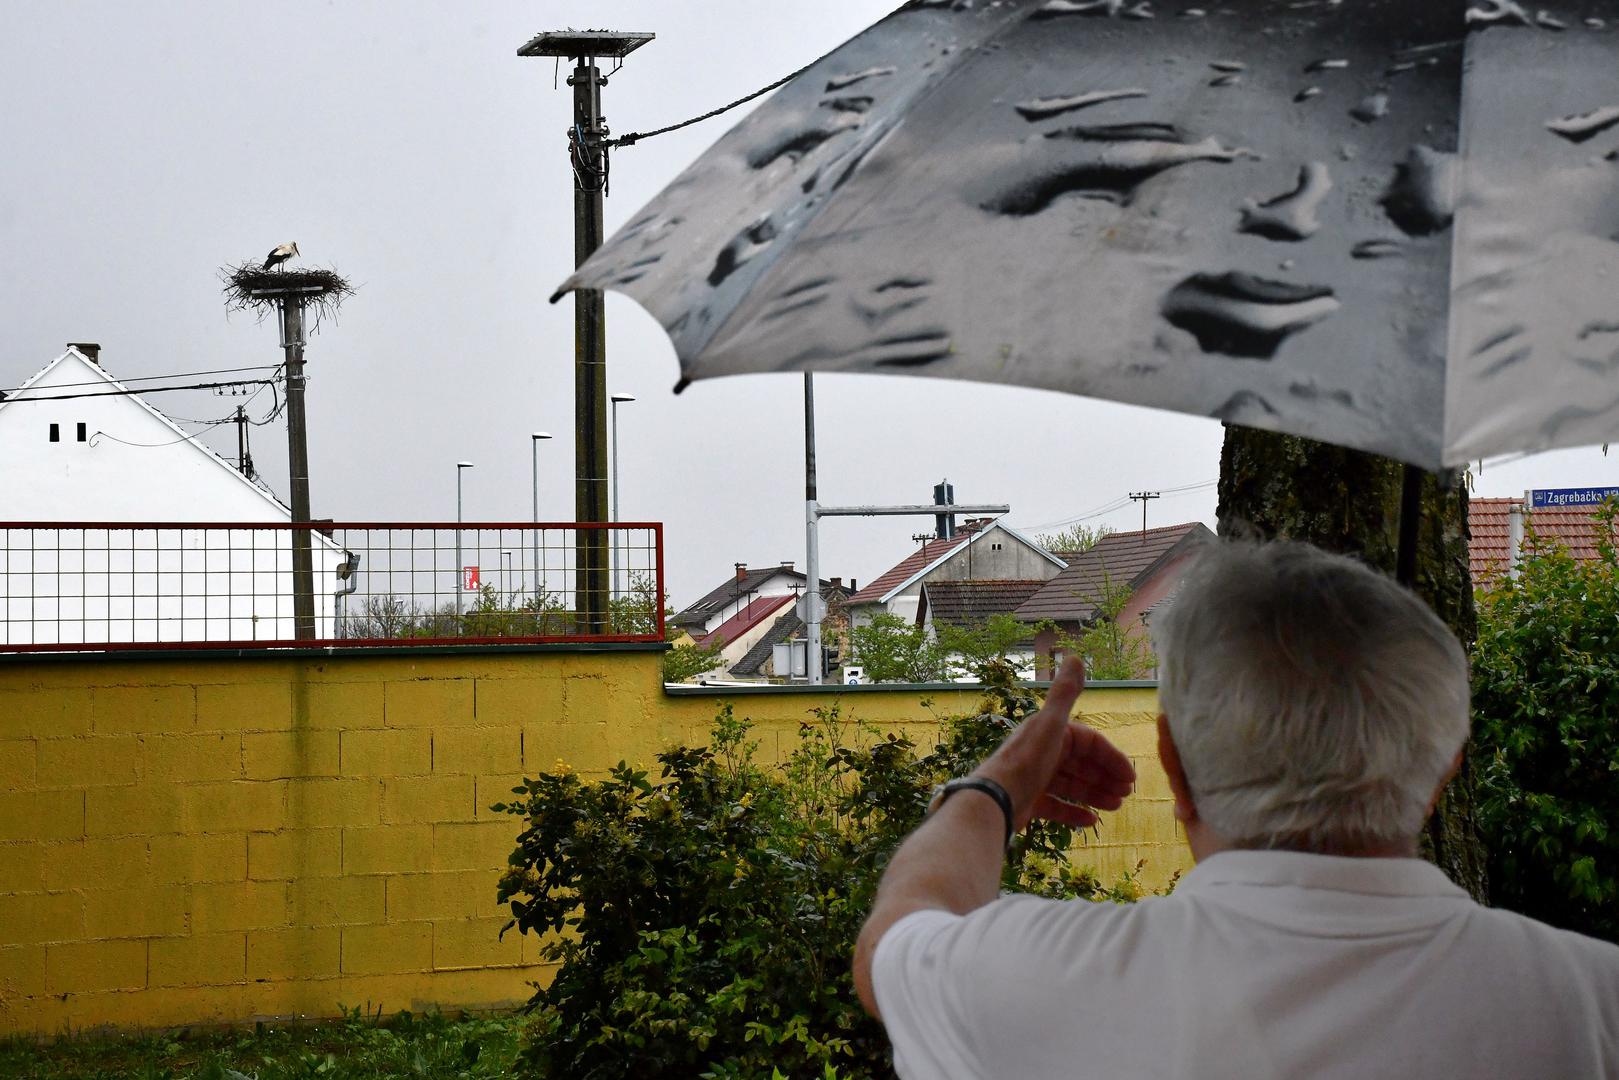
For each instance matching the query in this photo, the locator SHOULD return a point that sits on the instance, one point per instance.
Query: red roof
(746, 619)
(1488, 549)
(925, 556)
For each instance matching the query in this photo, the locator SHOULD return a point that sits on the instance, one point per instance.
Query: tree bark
(1284, 487)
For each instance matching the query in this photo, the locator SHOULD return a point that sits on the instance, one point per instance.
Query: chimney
(786, 564)
(837, 583)
(853, 588)
(741, 572)
(91, 350)
(944, 525)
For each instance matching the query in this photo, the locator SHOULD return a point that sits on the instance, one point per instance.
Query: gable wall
(110, 481)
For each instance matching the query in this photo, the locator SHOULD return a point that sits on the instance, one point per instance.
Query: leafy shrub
(1545, 699)
(704, 917)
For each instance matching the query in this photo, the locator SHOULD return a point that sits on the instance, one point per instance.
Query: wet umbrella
(1384, 224)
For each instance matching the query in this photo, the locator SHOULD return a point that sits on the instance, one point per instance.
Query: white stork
(280, 254)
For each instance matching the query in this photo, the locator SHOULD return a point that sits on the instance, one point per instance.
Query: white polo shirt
(1261, 964)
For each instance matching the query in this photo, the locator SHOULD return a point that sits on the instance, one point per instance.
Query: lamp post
(617, 400)
(534, 445)
(460, 585)
(505, 571)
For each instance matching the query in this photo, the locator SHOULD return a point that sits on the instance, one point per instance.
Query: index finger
(1066, 687)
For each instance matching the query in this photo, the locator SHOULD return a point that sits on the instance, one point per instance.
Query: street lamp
(617, 399)
(534, 444)
(460, 584)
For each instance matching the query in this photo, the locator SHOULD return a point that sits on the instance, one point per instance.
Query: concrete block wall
(212, 840)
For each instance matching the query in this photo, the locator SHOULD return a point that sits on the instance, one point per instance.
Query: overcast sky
(406, 145)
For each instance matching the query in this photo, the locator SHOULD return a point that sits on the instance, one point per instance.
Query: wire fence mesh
(116, 585)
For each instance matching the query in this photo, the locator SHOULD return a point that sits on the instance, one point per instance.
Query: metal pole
(460, 583)
(1514, 539)
(812, 546)
(303, 571)
(615, 488)
(590, 350)
(534, 446)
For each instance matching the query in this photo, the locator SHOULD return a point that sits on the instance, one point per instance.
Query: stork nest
(248, 287)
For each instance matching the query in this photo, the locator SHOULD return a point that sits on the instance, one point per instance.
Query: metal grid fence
(121, 585)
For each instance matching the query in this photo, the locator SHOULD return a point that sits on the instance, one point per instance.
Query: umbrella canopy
(1384, 224)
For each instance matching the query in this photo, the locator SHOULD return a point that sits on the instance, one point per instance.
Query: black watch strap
(977, 783)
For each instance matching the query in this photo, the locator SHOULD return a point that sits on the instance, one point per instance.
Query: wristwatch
(975, 783)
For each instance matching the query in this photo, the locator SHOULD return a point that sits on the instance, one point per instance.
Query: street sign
(469, 579)
(1558, 497)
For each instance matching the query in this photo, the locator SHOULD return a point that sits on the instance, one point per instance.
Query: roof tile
(1121, 558)
(1488, 548)
(969, 603)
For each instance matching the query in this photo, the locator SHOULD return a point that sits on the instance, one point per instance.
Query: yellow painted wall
(207, 839)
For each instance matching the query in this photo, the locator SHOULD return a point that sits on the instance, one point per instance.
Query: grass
(358, 1047)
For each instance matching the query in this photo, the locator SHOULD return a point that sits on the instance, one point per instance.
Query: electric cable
(33, 396)
(148, 378)
(636, 136)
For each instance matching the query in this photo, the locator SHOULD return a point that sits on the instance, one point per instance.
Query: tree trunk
(1281, 486)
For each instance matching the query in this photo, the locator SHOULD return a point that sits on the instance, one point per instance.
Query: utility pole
(303, 569)
(292, 293)
(1144, 497)
(812, 544)
(587, 150)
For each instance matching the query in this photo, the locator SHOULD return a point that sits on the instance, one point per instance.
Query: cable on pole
(636, 136)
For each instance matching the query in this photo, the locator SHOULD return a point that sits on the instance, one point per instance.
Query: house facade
(1133, 571)
(744, 616)
(983, 550)
(78, 448)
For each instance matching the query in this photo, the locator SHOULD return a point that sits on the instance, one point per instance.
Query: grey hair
(1315, 704)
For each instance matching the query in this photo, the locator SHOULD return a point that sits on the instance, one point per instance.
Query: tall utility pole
(1144, 497)
(587, 151)
(813, 603)
(303, 567)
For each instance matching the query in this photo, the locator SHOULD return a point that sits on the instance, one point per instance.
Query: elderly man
(1312, 713)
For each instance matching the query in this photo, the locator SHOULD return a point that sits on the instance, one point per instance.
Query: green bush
(703, 917)
(1545, 705)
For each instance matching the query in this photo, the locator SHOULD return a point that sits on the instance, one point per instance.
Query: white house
(76, 467)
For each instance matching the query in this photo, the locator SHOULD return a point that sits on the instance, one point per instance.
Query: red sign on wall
(469, 578)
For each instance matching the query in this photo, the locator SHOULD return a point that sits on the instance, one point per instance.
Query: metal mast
(587, 150)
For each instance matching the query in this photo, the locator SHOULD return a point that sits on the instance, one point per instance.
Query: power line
(1119, 504)
(143, 445)
(636, 136)
(148, 378)
(32, 396)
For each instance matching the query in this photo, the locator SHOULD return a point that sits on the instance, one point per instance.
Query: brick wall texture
(218, 840)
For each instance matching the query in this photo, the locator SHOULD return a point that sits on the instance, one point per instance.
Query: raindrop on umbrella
(1579, 128)
(1243, 315)
(1290, 216)
(1046, 107)
(1374, 107)
(1421, 199)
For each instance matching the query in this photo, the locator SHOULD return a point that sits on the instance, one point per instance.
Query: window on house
(82, 434)
(994, 547)
(56, 433)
